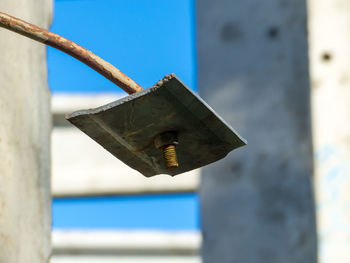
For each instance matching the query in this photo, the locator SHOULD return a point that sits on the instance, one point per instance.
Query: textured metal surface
(127, 128)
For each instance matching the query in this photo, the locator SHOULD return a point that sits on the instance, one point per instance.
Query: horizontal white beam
(123, 259)
(67, 103)
(157, 242)
(82, 167)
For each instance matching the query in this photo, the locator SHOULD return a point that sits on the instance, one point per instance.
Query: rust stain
(169, 116)
(5, 238)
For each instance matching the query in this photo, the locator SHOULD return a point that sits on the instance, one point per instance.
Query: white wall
(329, 28)
(25, 201)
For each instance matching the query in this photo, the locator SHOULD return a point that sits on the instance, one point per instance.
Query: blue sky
(157, 212)
(146, 39)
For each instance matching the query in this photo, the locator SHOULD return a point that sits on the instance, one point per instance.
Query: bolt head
(166, 138)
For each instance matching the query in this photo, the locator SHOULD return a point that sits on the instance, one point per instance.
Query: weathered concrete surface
(257, 204)
(329, 29)
(24, 140)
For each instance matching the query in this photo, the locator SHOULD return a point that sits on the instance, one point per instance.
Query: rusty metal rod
(87, 57)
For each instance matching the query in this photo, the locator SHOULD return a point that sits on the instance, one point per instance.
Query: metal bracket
(128, 128)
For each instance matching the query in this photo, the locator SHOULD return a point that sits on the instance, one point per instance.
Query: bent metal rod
(87, 57)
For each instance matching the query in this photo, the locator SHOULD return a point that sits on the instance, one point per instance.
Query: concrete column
(329, 27)
(257, 204)
(25, 216)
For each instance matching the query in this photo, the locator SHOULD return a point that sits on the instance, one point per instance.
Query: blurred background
(103, 211)
(278, 71)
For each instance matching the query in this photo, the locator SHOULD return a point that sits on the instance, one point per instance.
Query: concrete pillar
(25, 218)
(329, 27)
(257, 204)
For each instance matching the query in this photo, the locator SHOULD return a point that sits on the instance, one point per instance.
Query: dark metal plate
(127, 128)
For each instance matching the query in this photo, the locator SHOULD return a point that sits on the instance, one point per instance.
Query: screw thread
(169, 155)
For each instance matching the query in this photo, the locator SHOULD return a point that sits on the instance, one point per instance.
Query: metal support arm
(87, 57)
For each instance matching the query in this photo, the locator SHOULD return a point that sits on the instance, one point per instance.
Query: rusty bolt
(169, 155)
(167, 142)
